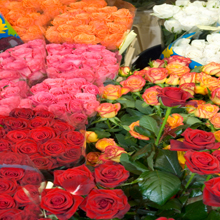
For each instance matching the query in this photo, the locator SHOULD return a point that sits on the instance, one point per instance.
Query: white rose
(198, 44)
(172, 25)
(210, 50)
(199, 60)
(182, 2)
(213, 38)
(199, 3)
(165, 10)
(182, 42)
(208, 17)
(180, 50)
(190, 21)
(212, 4)
(215, 59)
(179, 15)
(193, 53)
(192, 9)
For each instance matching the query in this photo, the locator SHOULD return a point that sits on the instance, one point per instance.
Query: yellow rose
(173, 80)
(136, 134)
(124, 71)
(108, 110)
(150, 95)
(212, 83)
(91, 137)
(104, 142)
(212, 68)
(201, 76)
(177, 69)
(175, 120)
(206, 110)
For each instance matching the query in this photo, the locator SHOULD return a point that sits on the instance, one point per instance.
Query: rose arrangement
(48, 141)
(21, 186)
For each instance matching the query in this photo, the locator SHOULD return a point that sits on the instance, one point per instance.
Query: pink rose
(75, 106)
(85, 97)
(5, 110)
(53, 72)
(10, 74)
(11, 102)
(65, 98)
(90, 108)
(44, 98)
(91, 63)
(90, 88)
(25, 103)
(16, 65)
(40, 108)
(41, 87)
(87, 74)
(59, 82)
(21, 52)
(91, 55)
(57, 91)
(57, 109)
(76, 82)
(10, 91)
(78, 119)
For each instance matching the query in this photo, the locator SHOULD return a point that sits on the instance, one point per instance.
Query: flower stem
(188, 183)
(108, 123)
(212, 127)
(208, 178)
(163, 125)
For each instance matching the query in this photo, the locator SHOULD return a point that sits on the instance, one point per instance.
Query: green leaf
(127, 119)
(172, 204)
(143, 131)
(102, 134)
(145, 151)
(158, 186)
(127, 103)
(183, 199)
(167, 161)
(198, 69)
(122, 141)
(143, 107)
(213, 216)
(150, 124)
(190, 120)
(134, 112)
(150, 160)
(195, 211)
(131, 166)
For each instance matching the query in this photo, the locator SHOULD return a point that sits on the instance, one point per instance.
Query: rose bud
(92, 158)
(179, 59)
(175, 120)
(177, 69)
(191, 108)
(150, 95)
(124, 71)
(156, 75)
(113, 92)
(113, 153)
(103, 143)
(206, 111)
(188, 78)
(215, 120)
(173, 80)
(134, 83)
(188, 87)
(216, 96)
(136, 134)
(212, 69)
(158, 63)
(91, 137)
(108, 110)
(217, 135)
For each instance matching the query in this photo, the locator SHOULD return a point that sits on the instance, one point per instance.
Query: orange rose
(191, 108)
(113, 41)
(91, 137)
(113, 92)
(76, 22)
(102, 34)
(101, 16)
(65, 28)
(87, 29)
(124, 20)
(84, 17)
(32, 4)
(156, 75)
(134, 83)
(136, 134)
(92, 158)
(33, 32)
(212, 69)
(121, 13)
(150, 95)
(177, 69)
(86, 39)
(216, 96)
(98, 25)
(103, 143)
(173, 80)
(206, 111)
(112, 153)
(108, 9)
(67, 2)
(181, 158)
(108, 110)
(217, 135)
(215, 120)
(78, 5)
(175, 120)
(124, 71)
(188, 78)
(116, 28)
(189, 87)
(90, 10)
(53, 35)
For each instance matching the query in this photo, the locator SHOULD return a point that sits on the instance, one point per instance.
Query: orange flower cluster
(71, 21)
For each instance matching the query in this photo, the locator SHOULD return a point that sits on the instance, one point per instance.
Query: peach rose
(212, 69)
(91, 137)
(92, 158)
(136, 134)
(191, 108)
(113, 92)
(150, 95)
(86, 39)
(173, 80)
(216, 96)
(175, 120)
(217, 135)
(108, 110)
(156, 75)
(134, 83)
(177, 69)
(103, 143)
(215, 120)
(206, 110)
(189, 87)
(188, 78)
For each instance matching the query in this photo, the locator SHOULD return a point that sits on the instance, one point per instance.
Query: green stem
(212, 127)
(108, 123)
(188, 183)
(208, 178)
(163, 125)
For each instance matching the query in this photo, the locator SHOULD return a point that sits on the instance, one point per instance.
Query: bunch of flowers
(100, 200)
(21, 187)
(88, 22)
(72, 100)
(49, 142)
(26, 61)
(93, 62)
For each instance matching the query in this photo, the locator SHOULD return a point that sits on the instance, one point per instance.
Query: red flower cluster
(48, 141)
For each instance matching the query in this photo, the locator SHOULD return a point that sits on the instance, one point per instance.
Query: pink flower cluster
(92, 62)
(12, 95)
(70, 99)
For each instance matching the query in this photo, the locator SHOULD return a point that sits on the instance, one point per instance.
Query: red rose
(12, 173)
(32, 211)
(13, 158)
(14, 213)
(60, 203)
(2, 132)
(195, 140)
(16, 123)
(77, 180)
(26, 113)
(6, 202)
(164, 218)
(39, 122)
(73, 138)
(173, 96)
(211, 192)
(53, 147)
(2, 119)
(5, 145)
(28, 194)
(8, 186)
(105, 204)
(44, 114)
(26, 146)
(31, 177)
(216, 154)
(61, 126)
(42, 134)
(42, 162)
(202, 163)
(110, 174)
(16, 136)
(71, 155)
